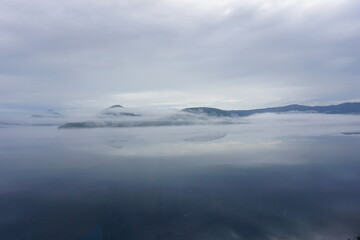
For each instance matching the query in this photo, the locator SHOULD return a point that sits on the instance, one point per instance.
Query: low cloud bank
(119, 117)
(126, 117)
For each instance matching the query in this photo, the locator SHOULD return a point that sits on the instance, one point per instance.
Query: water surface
(285, 178)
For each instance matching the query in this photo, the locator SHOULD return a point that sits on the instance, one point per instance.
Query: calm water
(279, 179)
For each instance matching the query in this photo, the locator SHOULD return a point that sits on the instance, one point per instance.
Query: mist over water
(270, 176)
(155, 120)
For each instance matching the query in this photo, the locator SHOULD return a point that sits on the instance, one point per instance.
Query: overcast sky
(178, 53)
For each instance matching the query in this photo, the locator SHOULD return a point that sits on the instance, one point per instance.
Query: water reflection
(93, 185)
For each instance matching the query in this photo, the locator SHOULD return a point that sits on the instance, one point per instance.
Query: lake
(290, 176)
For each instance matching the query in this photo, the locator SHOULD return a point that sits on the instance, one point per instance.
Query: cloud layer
(229, 54)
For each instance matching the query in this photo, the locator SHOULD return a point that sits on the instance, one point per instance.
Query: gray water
(293, 177)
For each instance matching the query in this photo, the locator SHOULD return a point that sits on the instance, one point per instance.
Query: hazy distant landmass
(118, 116)
(48, 114)
(115, 124)
(351, 133)
(40, 118)
(118, 111)
(115, 106)
(344, 108)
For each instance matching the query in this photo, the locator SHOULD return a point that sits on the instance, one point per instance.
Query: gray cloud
(243, 54)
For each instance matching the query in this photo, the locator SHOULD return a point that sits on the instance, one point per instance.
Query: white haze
(243, 134)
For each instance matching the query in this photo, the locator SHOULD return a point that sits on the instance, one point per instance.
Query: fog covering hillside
(39, 118)
(119, 116)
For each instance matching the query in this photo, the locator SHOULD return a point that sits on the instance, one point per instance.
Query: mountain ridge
(199, 116)
(343, 108)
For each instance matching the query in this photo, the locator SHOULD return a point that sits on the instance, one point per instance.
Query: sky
(178, 53)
